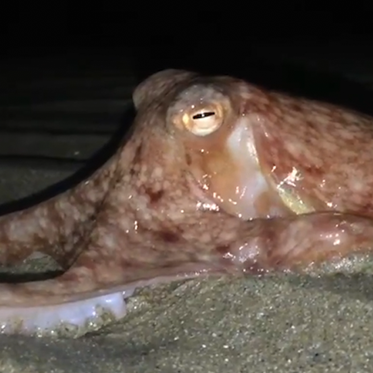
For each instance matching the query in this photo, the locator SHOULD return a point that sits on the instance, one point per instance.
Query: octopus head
(212, 125)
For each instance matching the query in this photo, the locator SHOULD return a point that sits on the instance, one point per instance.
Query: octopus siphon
(218, 176)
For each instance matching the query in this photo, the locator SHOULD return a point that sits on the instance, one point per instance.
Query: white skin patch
(252, 183)
(68, 318)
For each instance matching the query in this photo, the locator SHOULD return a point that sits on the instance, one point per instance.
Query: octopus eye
(203, 122)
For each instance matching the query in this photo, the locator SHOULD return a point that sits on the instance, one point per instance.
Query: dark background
(191, 35)
(254, 40)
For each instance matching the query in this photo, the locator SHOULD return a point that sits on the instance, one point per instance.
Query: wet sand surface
(282, 323)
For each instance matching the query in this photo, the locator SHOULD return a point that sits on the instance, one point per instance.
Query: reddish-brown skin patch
(154, 196)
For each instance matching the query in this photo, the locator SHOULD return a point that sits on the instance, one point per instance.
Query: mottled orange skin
(146, 213)
(330, 147)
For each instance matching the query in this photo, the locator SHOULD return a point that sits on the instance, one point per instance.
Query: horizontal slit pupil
(203, 115)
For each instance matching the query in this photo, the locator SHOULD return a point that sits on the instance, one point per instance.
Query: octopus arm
(300, 243)
(96, 285)
(85, 297)
(56, 227)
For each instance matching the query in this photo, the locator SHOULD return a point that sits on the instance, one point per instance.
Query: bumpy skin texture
(282, 183)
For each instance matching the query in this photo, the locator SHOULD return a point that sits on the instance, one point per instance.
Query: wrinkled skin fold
(218, 177)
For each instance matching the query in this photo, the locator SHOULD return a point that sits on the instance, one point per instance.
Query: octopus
(216, 177)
